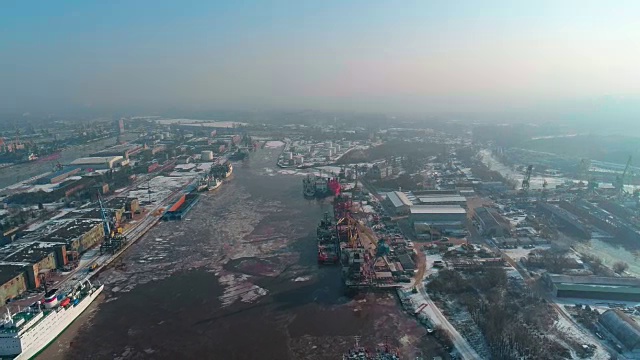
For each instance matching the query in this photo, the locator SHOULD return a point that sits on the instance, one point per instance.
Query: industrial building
(124, 150)
(58, 176)
(491, 223)
(625, 329)
(37, 258)
(594, 287)
(623, 231)
(78, 234)
(566, 221)
(398, 202)
(99, 163)
(12, 281)
(442, 200)
(447, 219)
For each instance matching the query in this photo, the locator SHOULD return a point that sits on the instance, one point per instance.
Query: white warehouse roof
(398, 199)
(95, 160)
(442, 199)
(437, 209)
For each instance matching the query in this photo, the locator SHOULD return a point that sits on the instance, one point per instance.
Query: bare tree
(620, 267)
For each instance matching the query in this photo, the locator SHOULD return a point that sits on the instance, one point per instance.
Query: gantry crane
(619, 184)
(526, 182)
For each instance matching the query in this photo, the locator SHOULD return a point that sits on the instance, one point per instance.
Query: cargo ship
(320, 187)
(328, 248)
(222, 171)
(26, 333)
(203, 184)
(308, 186)
(214, 184)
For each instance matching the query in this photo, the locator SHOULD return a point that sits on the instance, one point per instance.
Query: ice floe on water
(224, 228)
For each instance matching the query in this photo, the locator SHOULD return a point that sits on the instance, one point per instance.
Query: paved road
(438, 319)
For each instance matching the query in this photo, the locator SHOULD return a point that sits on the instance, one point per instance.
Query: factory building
(398, 202)
(625, 329)
(124, 150)
(39, 257)
(58, 176)
(99, 163)
(12, 282)
(566, 221)
(491, 223)
(594, 287)
(446, 219)
(77, 235)
(442, 200)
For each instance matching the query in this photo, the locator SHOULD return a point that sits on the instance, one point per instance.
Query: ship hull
(38, 338)
(213, 187)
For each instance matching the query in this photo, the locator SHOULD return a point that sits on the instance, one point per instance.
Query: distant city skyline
(573, 60)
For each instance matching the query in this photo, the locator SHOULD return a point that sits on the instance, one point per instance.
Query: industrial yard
(485, 259)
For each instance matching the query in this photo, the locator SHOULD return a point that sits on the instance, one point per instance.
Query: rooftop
(437, 209)
(31, 254)
(594, 280)
(72, 230)
(95, 160)
(398, 199)
(8, 272)
(616, 289)
(441, 199)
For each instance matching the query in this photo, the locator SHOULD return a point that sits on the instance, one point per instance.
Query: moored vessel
(214, 184)
(26, 333)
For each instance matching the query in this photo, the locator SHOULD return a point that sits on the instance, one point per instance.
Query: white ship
(26, 333)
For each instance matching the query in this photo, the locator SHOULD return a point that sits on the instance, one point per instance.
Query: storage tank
(207, 155)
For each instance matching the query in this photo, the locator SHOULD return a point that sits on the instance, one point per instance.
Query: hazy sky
(419, 56)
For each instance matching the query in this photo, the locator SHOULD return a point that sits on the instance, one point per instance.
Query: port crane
(619, 184)
(526, 182)
(113, 238)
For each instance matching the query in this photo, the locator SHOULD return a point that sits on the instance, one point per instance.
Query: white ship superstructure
(24, 334)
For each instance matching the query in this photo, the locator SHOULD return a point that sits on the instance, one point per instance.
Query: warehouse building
(77, 235)
(446, 219)
(594, 287)
(443, 200)
(491, 223)
(124, 150)
(99, 163)
(38, 258)
(566, 221)
(12, 282)
(398, 202)
(58, 176)
(625, 329)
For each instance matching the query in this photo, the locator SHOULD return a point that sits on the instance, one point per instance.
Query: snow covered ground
(273, 144)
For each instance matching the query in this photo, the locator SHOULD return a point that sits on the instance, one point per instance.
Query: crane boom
(105, 217)
(620, 179)
(526, 182)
